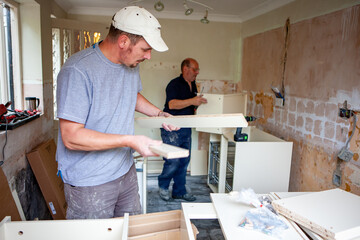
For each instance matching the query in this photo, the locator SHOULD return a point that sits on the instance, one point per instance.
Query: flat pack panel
(333, 214)
(257, 135)
(235, 103)
(230, 213)
(214, 104)
(223, 103)
(169, 151)
(194, 211)
(198, 210)
(193, 121)
(280, 195)
(94, 229)
(262, 166)
(198, 162)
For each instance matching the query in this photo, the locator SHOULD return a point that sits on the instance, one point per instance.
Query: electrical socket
(345, 113)
(345, 154)
(337, 177)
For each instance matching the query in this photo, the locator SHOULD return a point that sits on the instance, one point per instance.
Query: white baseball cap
(139, 21)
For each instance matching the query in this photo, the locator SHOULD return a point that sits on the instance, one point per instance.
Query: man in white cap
(98, 90)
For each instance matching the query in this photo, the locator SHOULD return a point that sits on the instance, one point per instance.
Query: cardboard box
(7, 203)
(159, 226)
(43, 163)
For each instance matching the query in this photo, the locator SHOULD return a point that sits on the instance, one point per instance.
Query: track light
(188, 10)
(205, 20)
(159, 6)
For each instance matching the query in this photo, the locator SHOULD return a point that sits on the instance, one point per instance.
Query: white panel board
(94, 229)
(262, 166)
(198, 162)
(193, 121)
(194, 211)
(223, 103)
(280, 195)
(230, 213)
(333, 214)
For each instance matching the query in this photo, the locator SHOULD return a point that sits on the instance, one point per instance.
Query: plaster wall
(321, 72)
(215, 46)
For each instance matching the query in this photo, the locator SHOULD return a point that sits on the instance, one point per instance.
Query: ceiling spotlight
(205, 20)
(159, 6)
(188, 10)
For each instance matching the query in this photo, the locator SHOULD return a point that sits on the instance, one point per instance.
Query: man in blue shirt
(98, 92)
(181, 99)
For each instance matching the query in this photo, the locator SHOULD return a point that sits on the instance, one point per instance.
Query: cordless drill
(3, 108)
(242, 137)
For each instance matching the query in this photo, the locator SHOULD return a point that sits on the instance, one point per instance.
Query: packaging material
(159, 226)
(43, 163)
(263, 217)
(7, 203)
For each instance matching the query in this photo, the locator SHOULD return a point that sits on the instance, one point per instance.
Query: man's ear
(123, 41)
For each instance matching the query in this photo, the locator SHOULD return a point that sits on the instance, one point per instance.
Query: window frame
(15, 50)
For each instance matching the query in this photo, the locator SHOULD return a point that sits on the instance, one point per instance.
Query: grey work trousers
(107, 200)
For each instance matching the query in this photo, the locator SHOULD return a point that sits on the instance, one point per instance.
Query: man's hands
(198, 100)
(167, 127)
(141, 144)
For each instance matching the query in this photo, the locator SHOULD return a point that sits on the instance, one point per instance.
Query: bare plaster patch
(267, 103)
(351, 174)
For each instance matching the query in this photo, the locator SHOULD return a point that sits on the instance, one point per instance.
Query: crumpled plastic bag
(263, 217)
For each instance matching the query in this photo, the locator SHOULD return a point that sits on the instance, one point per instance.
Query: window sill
(19, 123)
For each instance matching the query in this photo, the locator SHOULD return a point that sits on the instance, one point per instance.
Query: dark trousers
(175, 168)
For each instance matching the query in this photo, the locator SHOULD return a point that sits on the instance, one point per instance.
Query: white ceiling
(223, 10)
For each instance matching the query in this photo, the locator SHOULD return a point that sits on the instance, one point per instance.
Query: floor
(208, 229)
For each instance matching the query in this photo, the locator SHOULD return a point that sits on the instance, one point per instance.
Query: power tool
(3, 108)
(242, 137)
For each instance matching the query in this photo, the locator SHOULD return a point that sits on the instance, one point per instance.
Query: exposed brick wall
(322, 71)
(317, 139)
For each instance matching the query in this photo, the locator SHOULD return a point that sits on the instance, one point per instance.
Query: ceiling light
(159, 6)
(205, 20)
(188, 10)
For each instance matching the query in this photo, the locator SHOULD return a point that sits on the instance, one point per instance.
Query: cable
(353, 131)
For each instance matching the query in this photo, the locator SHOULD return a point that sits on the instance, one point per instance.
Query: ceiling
(220, 10)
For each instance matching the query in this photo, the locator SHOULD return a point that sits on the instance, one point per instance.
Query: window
(67, 39)
(10, 86)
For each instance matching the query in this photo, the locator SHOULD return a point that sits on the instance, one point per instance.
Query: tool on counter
(243, 137)
(3, 108)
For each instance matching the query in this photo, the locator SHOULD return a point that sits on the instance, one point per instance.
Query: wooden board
(230, 213)
(193, 121)
(7, 203)
(333, 214)
(169, 151)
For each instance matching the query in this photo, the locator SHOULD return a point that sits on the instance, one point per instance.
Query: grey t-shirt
(93, 91)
